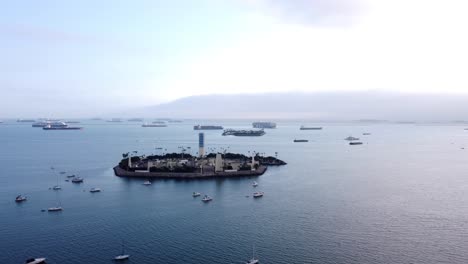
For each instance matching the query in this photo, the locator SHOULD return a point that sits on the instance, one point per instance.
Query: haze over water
(399, 198)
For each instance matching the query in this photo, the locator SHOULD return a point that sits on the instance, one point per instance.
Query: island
(186, 166)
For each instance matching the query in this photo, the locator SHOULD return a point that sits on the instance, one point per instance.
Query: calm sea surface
(402, 197)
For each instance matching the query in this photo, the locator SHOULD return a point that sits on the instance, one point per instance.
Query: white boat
(122, 256)
(55, 209)
(93, 190)
(257, 194)
(77, 180)
(206, 198)
(253, 260)
(196, 194)
(20, 198)
(35, 260)
(56, 187)
(147, 183)
(255, 184)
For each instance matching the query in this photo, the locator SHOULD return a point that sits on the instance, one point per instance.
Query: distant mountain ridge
(319, 106)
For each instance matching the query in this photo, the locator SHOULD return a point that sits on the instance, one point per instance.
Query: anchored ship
(310, 128)
(60, 126)
(243, 133)
(200, 127)
(263, 125)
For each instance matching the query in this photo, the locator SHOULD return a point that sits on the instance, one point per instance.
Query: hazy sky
(82, 57)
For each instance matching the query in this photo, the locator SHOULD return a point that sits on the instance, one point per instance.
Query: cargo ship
(263, 125)
(301, 140)
(154, 125)
(243, 133)
(26, 120)
(310, 128)
(115, 120)
(135, 120)
(60, 126)
(200, 127)
(41, 124)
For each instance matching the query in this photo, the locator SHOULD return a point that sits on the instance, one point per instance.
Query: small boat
(366, 134)
(255, 184)
(257, 194)
(310, 128)
(94, 190)
(35, 260)
(147, 183)
(71, 176)
(56, 187)
(20, 198)
(196, 194)
(355, 143)
(122, 255)
(350, 138)
(253, 260)
(301, 140)
(77, 180)
(206, 198)
(63, 172)
(55, 209)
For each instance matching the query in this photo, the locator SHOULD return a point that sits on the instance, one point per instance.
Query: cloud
(310, 12)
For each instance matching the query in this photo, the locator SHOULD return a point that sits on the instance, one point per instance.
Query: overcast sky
(85, 57)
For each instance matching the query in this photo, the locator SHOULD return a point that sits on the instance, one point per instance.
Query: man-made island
(183, 166)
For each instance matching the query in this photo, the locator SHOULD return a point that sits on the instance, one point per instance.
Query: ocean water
(401, 197)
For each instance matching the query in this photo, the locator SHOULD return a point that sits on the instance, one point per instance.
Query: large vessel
(200, 127)
(351, 138)
(310, 128)
(264, 125)
(243, 133)
(41, 124)
(135, 120)
(60, 126)
(115, 120)
(154, 125)
(26, 120)
(301, 140)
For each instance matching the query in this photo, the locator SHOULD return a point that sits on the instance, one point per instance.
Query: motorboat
(71, 176)
(55, 209)
(94, 190)
(257, 194)
(255, 184)
(350, 138)
(20, 198)
(56, 187)
(196, 194)
(77, 180)
(35, 260)
(206, 198)
(147, 183)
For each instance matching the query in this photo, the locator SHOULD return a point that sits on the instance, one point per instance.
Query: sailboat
(122, 255)
(57, 208)
(56, 186)
(253, 260)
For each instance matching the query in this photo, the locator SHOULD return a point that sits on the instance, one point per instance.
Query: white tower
(218, 163)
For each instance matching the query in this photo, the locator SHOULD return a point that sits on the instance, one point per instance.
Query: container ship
(263, 125)
(60, 126)
(310, 128)
(243, 133)
(154, 125)
(200, 127)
